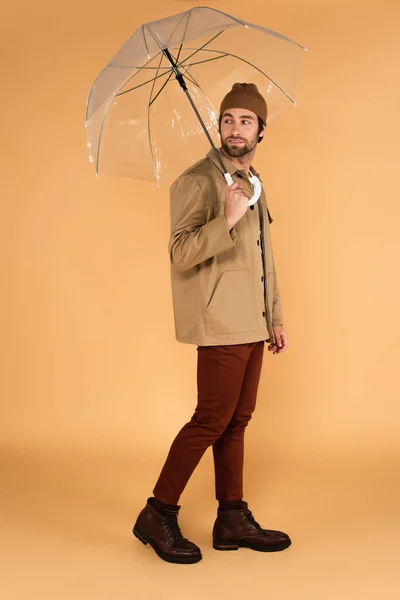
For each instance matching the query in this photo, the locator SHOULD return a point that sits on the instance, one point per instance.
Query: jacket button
(263, 313)
(258, 242)
(262, 278)
(252, 207)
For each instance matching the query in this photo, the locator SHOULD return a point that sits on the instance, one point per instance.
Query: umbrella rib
(161, 89)
(138, 67)
(179, 52)
(145, 41)
(153, 36)
(155, 78)
(151, 68)
(200, 62)
(177, 25)
(186, 28)
(201, 47)
(142, 68)
(142, 84)
(254, 67)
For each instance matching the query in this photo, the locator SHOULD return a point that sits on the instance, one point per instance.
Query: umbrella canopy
(139, 122)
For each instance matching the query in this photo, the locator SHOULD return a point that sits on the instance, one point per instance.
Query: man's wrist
(230, 223)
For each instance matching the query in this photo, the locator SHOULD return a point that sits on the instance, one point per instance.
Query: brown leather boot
(237, 528)
(163, 534)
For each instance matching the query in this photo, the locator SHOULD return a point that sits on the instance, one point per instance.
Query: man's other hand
(281, 340)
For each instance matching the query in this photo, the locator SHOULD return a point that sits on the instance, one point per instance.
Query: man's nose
(235, 131)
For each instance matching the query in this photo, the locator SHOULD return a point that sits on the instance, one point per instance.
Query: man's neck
(241, 162)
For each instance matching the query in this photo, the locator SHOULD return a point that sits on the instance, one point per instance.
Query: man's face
(239, 131)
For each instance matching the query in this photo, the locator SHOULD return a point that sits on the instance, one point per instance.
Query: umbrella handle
(255, 182)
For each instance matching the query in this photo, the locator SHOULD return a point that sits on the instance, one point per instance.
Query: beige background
(94, 386)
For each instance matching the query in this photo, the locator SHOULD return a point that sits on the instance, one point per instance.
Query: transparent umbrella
(153, 110)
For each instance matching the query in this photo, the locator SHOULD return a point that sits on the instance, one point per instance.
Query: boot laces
(172, 526)
(251, 519)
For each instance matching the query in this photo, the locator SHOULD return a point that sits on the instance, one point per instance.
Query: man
(226, 301)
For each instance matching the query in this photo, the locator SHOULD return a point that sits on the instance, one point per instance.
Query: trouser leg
(220, 374)
(228, 449)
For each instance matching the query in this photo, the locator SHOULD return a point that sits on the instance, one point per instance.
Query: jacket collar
(230, 167)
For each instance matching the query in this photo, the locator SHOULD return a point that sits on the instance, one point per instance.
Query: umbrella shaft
(182, 83)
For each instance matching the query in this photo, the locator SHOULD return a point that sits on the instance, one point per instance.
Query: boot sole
(231, 546)
(170, 559)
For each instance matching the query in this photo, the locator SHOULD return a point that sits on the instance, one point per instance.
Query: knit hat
(245, 95)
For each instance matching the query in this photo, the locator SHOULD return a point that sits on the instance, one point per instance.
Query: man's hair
(261, 127)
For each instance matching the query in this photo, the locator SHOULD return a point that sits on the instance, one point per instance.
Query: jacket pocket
(231, 308)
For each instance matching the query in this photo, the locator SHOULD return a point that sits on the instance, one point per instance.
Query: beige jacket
(222, 292)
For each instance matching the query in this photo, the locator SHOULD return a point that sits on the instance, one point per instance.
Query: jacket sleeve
(194, 240)
(277, 318)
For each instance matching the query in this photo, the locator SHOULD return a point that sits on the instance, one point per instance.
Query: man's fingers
(280, 344)
(284, 346)
(241, 192)
(236, 187)
(281, 340)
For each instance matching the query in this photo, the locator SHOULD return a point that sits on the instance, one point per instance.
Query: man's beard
(239, 151)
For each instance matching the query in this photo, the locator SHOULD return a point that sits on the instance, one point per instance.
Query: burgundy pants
(227, 382)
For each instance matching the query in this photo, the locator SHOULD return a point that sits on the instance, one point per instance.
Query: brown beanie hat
(245, 95)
